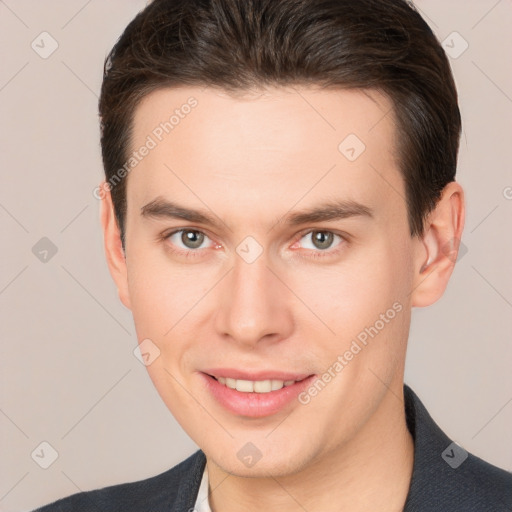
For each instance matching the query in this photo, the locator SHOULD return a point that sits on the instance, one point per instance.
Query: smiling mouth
(268, 391)
(255, 386)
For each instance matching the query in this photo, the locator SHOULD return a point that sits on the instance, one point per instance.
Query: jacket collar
(430, 470)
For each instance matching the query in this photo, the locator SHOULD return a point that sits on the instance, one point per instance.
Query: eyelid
(343, 236)
(319, 253)
(167, 234)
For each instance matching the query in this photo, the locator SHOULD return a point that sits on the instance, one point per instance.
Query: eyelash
(314, 254)
(318, 254)
(189, 253)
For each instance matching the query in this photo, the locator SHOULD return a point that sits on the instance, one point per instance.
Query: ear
(437, 251)
(114, 252)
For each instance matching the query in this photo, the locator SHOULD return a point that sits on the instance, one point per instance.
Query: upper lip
(234, 373)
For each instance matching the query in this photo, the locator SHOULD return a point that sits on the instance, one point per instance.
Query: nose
(254, 305)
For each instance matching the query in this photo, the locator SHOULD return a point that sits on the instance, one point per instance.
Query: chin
(270, 464)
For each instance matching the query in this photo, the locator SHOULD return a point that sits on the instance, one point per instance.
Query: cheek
(358, 289)
(346, 296)
(165, 296)
(364, 301)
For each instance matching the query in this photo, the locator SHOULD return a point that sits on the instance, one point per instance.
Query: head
(279, 195)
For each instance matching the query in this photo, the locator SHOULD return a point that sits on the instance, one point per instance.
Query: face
(267, 240)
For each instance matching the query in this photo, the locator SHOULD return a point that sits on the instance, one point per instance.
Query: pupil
(322, 239)
(192, 239)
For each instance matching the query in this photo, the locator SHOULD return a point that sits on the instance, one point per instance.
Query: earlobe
(437, 250)
(114, 252)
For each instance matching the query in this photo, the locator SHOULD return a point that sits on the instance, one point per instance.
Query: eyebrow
(333, 210)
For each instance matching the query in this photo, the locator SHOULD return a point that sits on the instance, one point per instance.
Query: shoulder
(480, 480)
(445, 475)
(163, 490)
(473, 486)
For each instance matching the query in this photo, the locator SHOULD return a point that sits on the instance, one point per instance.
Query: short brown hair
(240, 45)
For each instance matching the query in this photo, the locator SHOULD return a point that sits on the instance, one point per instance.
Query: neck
(371, 472)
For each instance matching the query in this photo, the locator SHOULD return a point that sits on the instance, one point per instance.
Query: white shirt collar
(202, 504)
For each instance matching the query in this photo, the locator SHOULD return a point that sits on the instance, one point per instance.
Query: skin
(250, 161)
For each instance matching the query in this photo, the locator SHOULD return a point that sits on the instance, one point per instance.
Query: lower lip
(255, 405)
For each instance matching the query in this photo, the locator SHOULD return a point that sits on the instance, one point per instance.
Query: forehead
(275, 118)
(277, 146)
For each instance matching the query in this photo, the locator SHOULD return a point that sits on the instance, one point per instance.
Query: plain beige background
(68, 373)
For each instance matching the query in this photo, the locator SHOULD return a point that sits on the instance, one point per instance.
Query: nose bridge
(253, 303)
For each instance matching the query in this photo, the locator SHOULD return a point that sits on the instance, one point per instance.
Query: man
(280, 193)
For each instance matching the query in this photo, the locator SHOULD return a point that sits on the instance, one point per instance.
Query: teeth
(254, 386)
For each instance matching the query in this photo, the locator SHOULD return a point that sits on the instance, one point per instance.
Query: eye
(320, 240)
(187, 239)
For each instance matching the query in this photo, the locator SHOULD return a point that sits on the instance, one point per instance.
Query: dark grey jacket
(445, 478)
